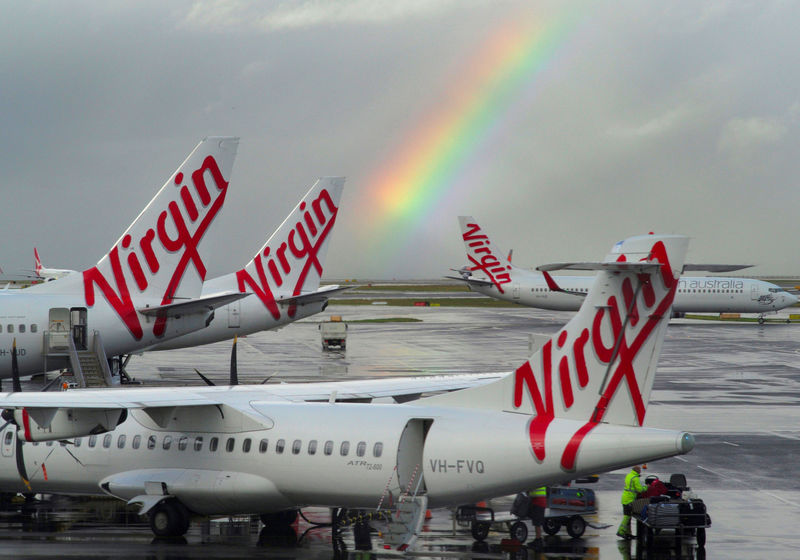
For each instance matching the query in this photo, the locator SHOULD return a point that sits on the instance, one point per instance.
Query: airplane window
(183, 442)
(121, 441)
(212, 444)
(279, 445)
(92, 441)
(167, 442)
(344, 449)
(198, 443)
(151, 442)
(34, 327)
(22, 328)
(10, 328)
(229, 444)
(9, 437)
(107, 441)
(137, 441)
(361, 448)
(246, 445)
(312, 447)
(262, 447)
(328, 447)
(377, 449)
(77, 442)
(296, 445)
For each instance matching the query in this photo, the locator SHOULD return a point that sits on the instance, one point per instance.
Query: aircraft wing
(322, 294)
(608, 266)
(144, 398)
(194, 305)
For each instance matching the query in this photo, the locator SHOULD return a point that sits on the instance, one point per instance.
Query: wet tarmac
(735, 386)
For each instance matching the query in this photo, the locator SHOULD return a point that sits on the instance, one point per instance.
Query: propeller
(234, 374)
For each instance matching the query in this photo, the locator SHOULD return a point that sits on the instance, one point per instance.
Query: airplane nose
(789, 299)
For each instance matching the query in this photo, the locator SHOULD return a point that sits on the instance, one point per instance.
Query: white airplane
(575, 408)
(145, 290)
(488, 273)
(283, 276)
(47, 274)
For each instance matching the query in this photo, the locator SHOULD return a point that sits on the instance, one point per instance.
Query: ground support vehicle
(678, 517)
(333, 333)
(566, 507)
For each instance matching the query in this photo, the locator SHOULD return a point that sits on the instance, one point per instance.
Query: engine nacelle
(49, 424)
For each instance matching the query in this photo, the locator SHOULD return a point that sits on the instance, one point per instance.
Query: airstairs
(405, 522)
(89, 367)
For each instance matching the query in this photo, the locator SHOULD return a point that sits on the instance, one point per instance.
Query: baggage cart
(566, 507)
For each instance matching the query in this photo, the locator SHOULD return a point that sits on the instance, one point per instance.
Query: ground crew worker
(536, 511)
(633, 486)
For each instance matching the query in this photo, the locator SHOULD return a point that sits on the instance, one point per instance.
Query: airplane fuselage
(285, 455)
(708, 294)
(47, 320)
(242, 317)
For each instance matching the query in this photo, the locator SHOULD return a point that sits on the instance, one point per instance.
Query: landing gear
(286, 517)
(761, 320)
(169, 518)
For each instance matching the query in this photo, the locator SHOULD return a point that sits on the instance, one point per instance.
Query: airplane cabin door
(754, 292)
(78, 327)
(515, 290)
(234, 314)
(58, 328)
(409, 454)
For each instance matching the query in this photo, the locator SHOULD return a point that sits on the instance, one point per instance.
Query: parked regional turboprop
(147, 289)
(576, 407)
(490, 274)
(283, 276)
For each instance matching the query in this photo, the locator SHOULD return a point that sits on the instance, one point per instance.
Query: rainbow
(501, 79)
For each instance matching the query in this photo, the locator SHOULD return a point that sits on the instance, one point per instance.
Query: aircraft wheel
(169, 518)
(551, 526)
(286, 517)
(480, 530)
(519, 531)
(761, 320)
(576, 526)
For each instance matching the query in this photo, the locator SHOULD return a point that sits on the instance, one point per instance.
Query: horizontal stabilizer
(715, 267)
(322, 294)
(471, 281)
(624, 266)
(195, 305)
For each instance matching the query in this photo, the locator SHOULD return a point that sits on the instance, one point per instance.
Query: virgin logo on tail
(603, 351)
(299, 249)
(172, 234)
(493, 267)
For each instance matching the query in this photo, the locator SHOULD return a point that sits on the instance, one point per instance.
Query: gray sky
(627, 117)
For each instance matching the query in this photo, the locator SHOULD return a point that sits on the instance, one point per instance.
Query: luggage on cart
(693, 513)
(663, 515)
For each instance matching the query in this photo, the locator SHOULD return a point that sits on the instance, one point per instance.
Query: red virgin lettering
(623, 355)
(173, 235)
(491, 266)
(298, 253)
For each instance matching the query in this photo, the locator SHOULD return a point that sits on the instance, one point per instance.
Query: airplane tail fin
(290, 262)
(600, 367)
(159, 255)
(487, 263)
(37, 266)
(158, 258)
